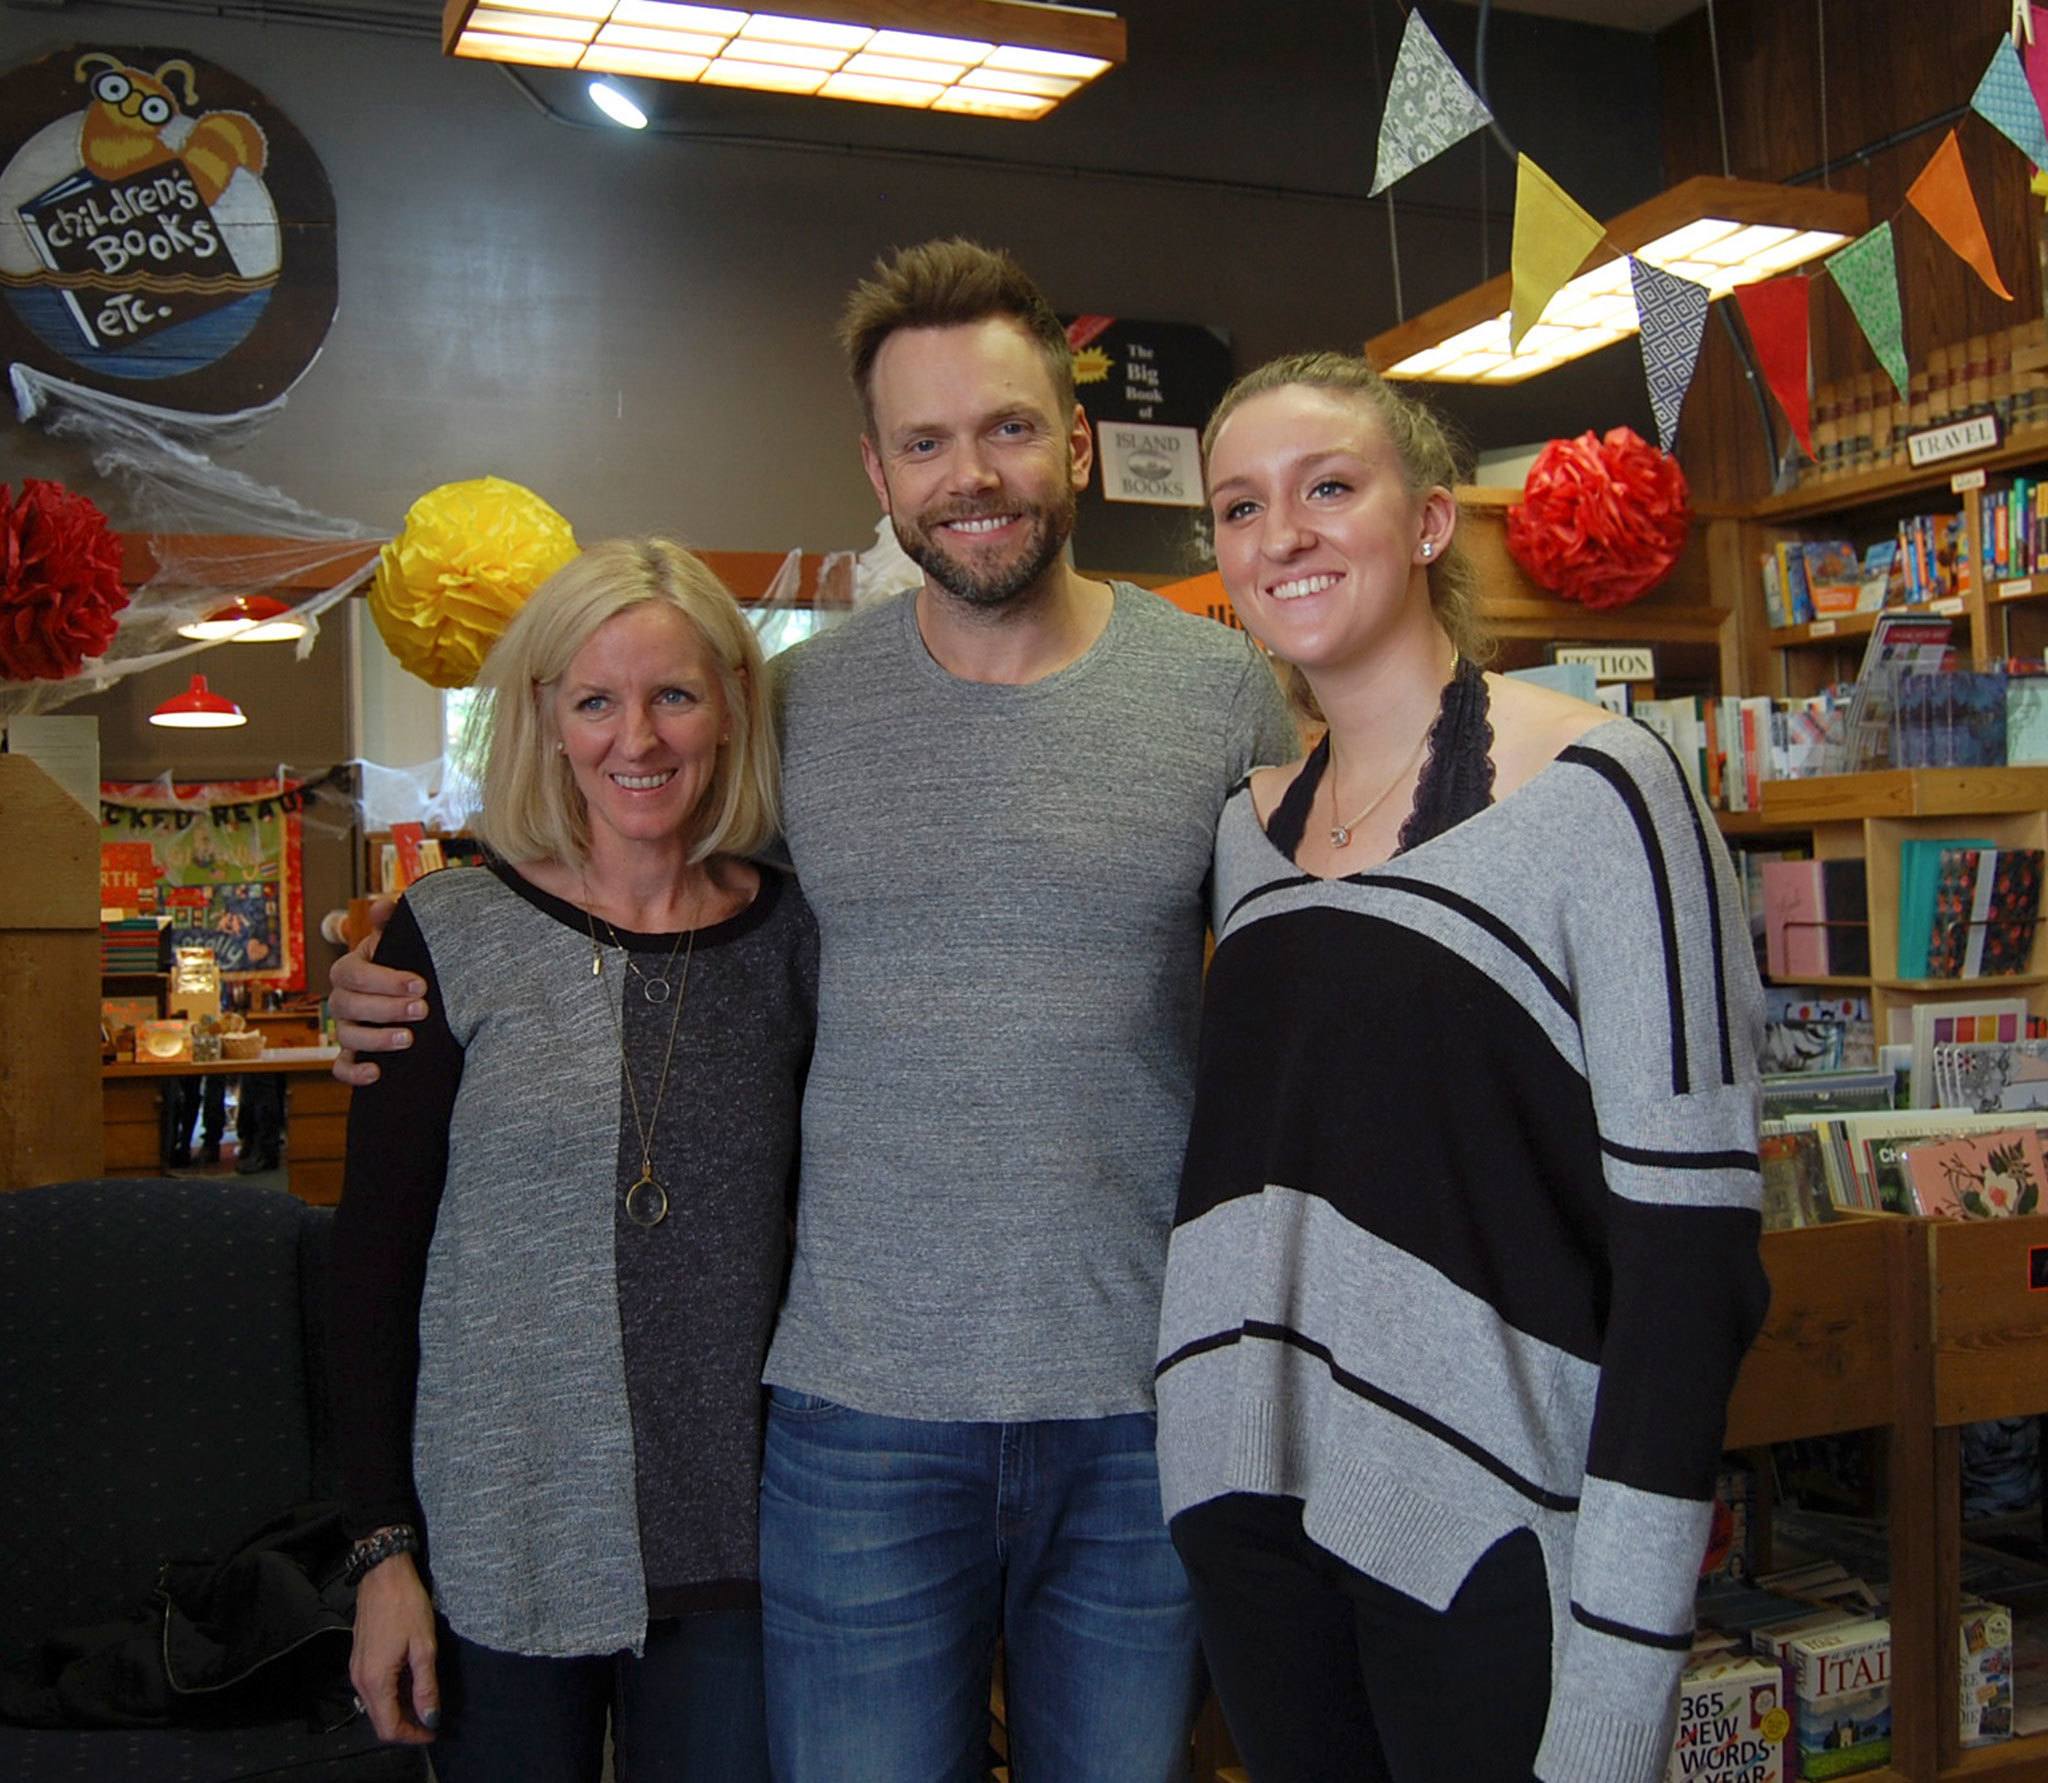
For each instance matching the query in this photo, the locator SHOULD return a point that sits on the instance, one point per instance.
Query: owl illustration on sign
(135, 122)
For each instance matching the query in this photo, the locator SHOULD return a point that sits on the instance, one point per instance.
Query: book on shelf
(1776, 613)
(1834, 576)
(1859, 1157)
(1977, 1176)
(1842, 1698)
(1883, 578)
(1680, 721)
(1992, 1019)
(1795, 1189)
(1987, 903)
(1992, 1077)
(1816, 919)
(1733, 1723)
(1900, 643)
(2026, 713)
(1920, 860)
(1791, 561)
(1805, 1032)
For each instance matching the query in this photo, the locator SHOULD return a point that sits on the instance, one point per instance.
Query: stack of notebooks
(130, 944)
(1967, 908)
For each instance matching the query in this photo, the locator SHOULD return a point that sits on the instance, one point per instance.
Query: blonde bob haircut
(532, 809)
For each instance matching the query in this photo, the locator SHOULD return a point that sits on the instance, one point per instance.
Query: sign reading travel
(166, 234)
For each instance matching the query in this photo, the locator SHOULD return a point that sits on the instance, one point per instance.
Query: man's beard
(1051, 525)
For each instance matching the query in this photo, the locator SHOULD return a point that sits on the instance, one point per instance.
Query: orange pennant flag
(1942, 195)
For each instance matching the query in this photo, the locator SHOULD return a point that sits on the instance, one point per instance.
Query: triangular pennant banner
(1429, 107)
(1775, 312)
(2004, 100)
(1942, 195)
(2034, 55)
(1553, 236)
(1671, 313)
(1867, 272)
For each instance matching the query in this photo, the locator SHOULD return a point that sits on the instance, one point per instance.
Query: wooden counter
(315, 1130)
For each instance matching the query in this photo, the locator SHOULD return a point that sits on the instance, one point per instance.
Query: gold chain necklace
(1340, 833)
(646, 1199)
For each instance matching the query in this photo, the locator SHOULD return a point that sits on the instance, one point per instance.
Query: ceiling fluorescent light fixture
(1717, 232)
(984, 58)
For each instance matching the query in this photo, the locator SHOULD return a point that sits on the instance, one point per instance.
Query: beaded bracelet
(378, 1546)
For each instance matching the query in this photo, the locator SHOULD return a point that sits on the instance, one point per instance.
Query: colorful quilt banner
(1553, 236)
(2005, 101)
(1429, 107)
(1942, 195)
(1867, 274)
(1776, 314)
(228, 869)
(1671, 315)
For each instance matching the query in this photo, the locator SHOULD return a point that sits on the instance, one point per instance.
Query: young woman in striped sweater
(1466, 1252)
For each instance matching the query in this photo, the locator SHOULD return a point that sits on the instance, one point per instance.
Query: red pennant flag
(1776, 312)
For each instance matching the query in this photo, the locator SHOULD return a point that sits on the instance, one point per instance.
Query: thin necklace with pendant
(646, 1199)
(1340, 833)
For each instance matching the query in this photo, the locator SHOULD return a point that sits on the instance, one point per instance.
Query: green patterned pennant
(1867, 273)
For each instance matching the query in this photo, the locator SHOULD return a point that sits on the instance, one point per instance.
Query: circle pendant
(647, 1202)
(655, 990)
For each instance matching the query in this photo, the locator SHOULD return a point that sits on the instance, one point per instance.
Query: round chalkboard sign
(166, 234)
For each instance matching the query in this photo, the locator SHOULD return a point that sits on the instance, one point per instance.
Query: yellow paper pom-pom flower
(463, 563)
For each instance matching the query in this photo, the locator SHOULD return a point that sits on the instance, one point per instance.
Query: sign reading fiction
(166, 234)
(1148, 388)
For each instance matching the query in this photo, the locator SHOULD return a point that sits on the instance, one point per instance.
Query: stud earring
(1428, 549)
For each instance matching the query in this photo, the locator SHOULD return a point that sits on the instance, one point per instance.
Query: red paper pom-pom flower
(1601, 521)
(60, 582)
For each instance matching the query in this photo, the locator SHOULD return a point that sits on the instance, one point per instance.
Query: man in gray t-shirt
(1001, 793)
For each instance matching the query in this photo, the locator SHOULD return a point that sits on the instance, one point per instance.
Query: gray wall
(638, 326)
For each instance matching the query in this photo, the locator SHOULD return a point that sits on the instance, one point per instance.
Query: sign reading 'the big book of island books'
(165, 233)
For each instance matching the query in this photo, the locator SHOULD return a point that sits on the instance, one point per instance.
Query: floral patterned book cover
(1978, 1176)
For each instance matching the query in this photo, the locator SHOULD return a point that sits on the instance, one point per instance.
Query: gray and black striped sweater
(1467, 1233)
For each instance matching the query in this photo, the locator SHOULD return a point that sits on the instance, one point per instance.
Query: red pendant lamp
(198, 708)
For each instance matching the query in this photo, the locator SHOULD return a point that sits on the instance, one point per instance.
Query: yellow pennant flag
(1553, 236)
(1942, 195)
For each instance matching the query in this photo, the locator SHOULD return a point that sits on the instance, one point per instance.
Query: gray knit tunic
(585, 1445)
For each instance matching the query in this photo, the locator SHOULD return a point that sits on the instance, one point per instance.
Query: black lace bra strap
(1289, 822)
(1457, 777)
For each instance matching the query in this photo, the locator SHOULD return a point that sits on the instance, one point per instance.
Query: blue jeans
(689, 1707)
(892, 1552)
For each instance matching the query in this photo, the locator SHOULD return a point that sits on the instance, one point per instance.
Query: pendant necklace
(1340, 833)
(646, 1199)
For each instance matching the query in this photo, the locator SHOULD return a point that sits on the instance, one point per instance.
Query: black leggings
(1327, 1676)
(691, 1707)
